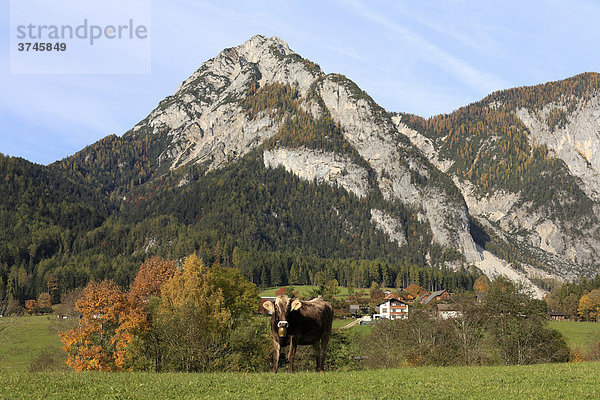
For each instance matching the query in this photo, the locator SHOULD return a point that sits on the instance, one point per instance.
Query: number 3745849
(42, 46)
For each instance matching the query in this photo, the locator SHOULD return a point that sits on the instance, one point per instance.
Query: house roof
(421, 297)
(391, 299)
(433, 296)
(557, 314)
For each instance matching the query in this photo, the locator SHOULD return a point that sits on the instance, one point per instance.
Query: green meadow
(578, 334)
(26, 338)
(543, 381)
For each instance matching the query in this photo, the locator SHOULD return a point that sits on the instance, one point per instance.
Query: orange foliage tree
(136, 323)
(112, 320)
(414, 290)
(30, 306)
(91, 345)
(150, 278)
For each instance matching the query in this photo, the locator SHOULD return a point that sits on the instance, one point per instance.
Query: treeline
(568, 91)
(579, 300)
(198, 318)
(281, 269)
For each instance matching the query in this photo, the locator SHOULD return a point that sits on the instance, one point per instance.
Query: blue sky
(423, 57)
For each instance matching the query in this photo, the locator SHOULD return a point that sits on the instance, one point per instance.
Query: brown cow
(296, 322)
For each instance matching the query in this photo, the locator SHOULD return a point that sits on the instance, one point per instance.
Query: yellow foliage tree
(44, 300)
(193, 317)
(481, 284)
(30, 306)
(589, 305)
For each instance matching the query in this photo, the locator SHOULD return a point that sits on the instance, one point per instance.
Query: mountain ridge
(458, 190)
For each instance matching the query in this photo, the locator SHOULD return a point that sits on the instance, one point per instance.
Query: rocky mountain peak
(258, 46)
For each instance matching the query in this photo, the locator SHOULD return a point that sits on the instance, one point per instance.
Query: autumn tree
(414, 290)
(137, 323)
(44, 303)
(92, 345)
(53, 289)
(376, 294)
(68, 303)
(30, 306)
(589, 305)
(481, 284)
(192, 317)
(151, 276)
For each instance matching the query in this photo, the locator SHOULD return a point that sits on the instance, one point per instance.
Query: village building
(558, 316)
(440, 295)
(392, 308)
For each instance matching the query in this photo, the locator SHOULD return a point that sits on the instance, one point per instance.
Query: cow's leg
(317, 349)
(292, 353)
(276, 348)
(323, 353)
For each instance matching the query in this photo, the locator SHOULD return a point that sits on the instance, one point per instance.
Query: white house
(392, 308)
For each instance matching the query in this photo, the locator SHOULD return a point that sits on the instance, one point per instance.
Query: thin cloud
(479, 40)
(480, 81)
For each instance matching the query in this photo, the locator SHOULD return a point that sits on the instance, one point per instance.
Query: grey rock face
(204, 119)
(322, 167)
(568, 248)
(577, 143)
(389, 225)
(378, 142)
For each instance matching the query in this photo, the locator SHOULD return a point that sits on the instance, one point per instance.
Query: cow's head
(280, 310)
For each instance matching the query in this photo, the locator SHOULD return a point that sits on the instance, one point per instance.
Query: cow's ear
(269, 306)
(296, 304)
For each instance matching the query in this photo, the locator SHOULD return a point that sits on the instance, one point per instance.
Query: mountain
(323, 128)
(527, 163)
(262, 161)
(317, 126)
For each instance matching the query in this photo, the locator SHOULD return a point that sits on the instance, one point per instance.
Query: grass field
(545, 381)
(26, 337)
(578, 334)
